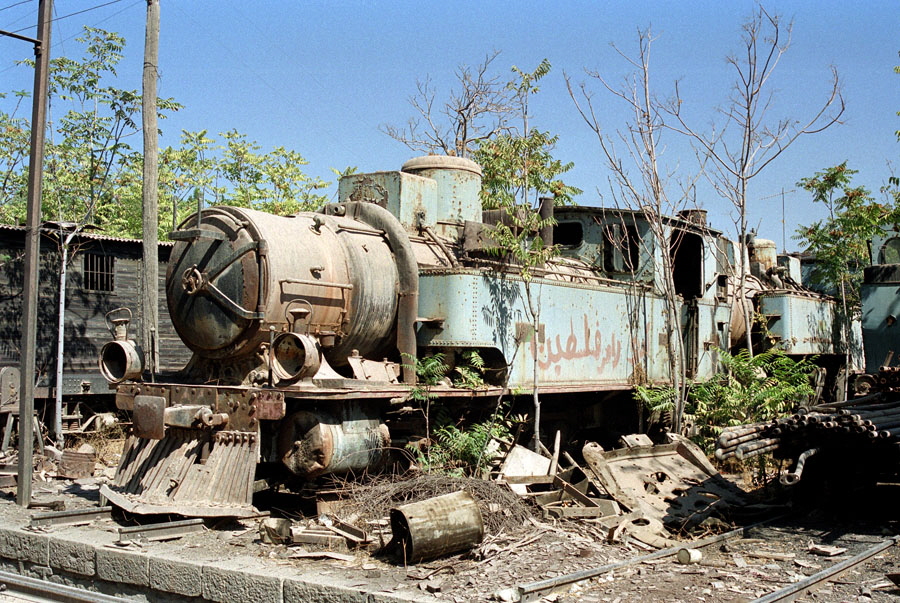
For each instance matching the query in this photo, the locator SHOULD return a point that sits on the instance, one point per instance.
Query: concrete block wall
(89, 558)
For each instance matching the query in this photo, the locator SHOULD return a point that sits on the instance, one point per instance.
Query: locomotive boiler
(305, 331)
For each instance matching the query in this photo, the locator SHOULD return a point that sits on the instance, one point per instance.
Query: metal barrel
(438, 526)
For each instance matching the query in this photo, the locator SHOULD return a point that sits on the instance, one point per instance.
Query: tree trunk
(536, 325)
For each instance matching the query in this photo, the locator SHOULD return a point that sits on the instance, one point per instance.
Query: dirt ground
(530, 549)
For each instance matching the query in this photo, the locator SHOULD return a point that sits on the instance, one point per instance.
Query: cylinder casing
(312, 443)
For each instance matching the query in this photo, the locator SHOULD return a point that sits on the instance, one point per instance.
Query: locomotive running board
(168, 476)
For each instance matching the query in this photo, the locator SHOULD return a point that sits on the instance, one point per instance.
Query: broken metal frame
(161, 531)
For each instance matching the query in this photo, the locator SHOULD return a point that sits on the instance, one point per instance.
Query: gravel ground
(768, 559)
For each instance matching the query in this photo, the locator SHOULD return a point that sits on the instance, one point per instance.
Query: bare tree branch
(647, 189)
(749, 140)
(478, 109)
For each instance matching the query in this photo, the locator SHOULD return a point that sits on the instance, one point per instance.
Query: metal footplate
(170, 475)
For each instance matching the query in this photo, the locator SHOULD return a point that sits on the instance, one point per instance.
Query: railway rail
(789, 593)
(25, 588)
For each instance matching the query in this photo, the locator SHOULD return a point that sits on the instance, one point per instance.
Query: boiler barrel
(241, 271)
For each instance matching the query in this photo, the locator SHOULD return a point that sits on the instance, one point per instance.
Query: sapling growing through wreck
(640, 183)
(515, 166)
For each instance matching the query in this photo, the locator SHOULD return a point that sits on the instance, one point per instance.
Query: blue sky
(321, 77)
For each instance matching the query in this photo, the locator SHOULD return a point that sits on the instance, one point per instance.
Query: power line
(75, 13)
(57, 44)
(15, 5)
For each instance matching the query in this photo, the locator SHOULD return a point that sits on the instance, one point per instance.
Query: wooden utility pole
(32, 253)
(150, 274)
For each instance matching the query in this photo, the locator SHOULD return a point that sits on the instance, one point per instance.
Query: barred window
(99, 272)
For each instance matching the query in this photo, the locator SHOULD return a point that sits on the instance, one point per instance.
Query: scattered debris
(52, 505)
(826, 551)
(169, 530)
(523, 463)
(370, 503)
(53, 453)
(319, 536)
(673, 484)
(770, 555)
(70, 518)
(353, 534)
(77, 464)
(688, 556)
(322, 555)
(274, 530)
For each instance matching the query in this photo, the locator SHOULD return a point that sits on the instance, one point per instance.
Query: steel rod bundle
(848, 427)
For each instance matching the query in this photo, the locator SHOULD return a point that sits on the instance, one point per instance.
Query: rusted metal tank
(763, 256)
(332, 278)
(438, 526)
(312, 443)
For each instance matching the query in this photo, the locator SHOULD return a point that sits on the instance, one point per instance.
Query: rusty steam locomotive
(305, 330)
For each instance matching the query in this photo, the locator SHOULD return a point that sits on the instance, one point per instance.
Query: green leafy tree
(87, 154)
(271, 182)
(94, 176)
(187, 174)
(89, 150)
(517, 165)
(14, 141)
(840, 242)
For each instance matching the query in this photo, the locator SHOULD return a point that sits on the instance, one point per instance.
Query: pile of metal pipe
(859, 424)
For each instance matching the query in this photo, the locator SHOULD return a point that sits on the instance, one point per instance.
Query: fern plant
(751, 389)
(748, 390)
(469, 374)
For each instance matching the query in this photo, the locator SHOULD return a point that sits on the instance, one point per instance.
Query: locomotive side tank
(306, 331)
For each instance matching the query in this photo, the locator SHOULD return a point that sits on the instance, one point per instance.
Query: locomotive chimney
(694, 216)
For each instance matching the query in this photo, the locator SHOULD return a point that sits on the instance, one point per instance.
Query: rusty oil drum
(438, 526)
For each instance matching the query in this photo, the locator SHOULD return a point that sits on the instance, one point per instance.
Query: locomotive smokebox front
(235, 272)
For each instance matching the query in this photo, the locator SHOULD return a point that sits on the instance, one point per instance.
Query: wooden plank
(529, 479)
(322, 537)
(574, 492)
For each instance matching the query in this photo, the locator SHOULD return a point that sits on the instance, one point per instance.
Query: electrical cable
(58, 43)
(15, 5)
(73, 14)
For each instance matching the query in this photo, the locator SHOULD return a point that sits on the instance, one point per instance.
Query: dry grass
(108, 442)
(501, 509)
